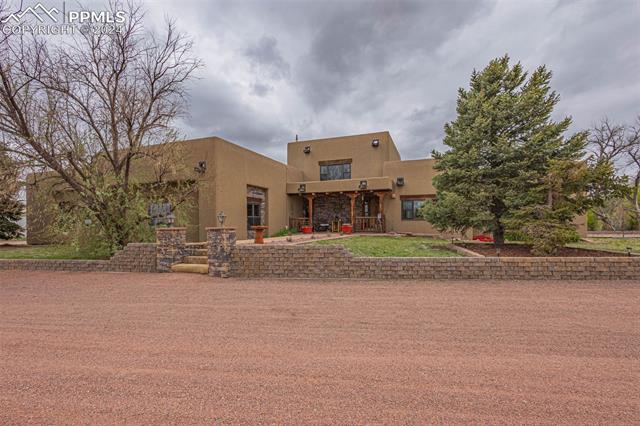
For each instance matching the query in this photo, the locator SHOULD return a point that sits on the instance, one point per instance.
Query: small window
(335, 170)
(411, 208)
(253, 214)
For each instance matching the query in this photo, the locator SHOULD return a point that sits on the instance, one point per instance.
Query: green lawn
(45, 252)
(393, 246)
(610, 244)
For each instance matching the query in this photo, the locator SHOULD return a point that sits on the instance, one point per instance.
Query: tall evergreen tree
(503, 146)
(11, 208)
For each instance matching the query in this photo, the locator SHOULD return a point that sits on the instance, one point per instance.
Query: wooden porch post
(353, 196)
(381, 202)
(309, 198)
(382, 223)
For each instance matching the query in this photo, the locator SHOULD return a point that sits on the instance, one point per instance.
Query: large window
(253, 214)
(335, 170)
(410, 209)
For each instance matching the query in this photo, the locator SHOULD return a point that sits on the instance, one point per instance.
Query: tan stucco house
(360, 180)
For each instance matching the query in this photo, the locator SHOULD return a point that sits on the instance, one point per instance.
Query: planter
(347, 228)
(307, 229)
(259, 237)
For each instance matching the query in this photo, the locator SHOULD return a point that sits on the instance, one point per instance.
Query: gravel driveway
(179, 348)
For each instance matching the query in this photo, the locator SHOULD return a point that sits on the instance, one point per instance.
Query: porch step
(202, 245)
(203, 260)
(194, 268)
(201, 252)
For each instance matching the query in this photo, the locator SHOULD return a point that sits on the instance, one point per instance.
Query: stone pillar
(170, 247)
(221, 243)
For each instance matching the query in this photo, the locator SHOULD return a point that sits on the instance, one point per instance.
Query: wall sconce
(363, 184)
(307, 150)
(302, 188)
(498, 251)
(221, 218)
(201, 167)
(400, 181)
(375, 143)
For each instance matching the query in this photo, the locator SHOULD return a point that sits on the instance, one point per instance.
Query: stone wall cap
(177, 228)
(218, 228)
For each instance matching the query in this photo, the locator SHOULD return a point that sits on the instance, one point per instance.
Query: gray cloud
(265, 57)
(327, 68)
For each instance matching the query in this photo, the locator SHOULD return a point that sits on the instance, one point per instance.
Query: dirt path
(170, 348)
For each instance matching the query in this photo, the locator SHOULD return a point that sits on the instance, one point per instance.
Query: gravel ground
(80, 348)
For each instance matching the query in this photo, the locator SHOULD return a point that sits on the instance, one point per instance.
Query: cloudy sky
(274, 69)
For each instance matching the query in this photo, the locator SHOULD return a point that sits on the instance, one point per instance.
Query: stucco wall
(418, 175)
(235, 168)
(366, 160)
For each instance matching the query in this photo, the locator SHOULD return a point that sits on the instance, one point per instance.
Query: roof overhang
(342, 185)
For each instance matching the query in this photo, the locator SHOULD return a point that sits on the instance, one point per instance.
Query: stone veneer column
(170, 247)
(220, 245)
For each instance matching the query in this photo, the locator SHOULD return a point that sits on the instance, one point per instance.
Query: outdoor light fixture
(171, 218)
(400, 181)
(363, 184)
(201, 167)
(302, 188)
(629, 251)
(307, 149)
(498, 251)
(221, 218)
(87, 222)
(375, 143)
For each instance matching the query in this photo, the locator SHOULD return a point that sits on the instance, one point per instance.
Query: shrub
(285, 232)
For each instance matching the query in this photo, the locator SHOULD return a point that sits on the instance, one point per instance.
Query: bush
(546, 238)
(593, 223)
(285, 232)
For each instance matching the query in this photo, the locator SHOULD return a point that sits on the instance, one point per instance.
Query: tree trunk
(498, 234)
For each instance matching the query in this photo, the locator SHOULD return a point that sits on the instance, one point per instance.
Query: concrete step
(194, 268)
(202, 245)
(203, 260)
(201, 252)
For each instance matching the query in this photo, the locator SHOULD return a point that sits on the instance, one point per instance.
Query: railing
(369, 224)
(298, 222)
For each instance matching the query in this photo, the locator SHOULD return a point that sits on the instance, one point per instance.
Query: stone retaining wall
(135, 257)
(306, 261)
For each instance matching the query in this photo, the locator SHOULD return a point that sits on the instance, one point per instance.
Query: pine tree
(503, 146)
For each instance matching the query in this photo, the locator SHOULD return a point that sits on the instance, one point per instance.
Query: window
(335, 170)
(253, 214)
(410, 209)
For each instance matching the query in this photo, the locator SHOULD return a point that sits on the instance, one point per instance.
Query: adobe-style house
(360, 180)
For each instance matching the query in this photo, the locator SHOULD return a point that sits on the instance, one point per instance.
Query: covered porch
(328, 211)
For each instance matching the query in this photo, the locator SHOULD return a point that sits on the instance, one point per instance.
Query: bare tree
(87, 109)
(632, 154)
(620, 145)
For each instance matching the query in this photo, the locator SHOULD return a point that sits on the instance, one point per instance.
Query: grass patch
(47, 252)
(392, 246)
(609, 244)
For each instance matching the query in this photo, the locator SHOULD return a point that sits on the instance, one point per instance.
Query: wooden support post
(309, 198)
(353, 196)
(381, 202)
